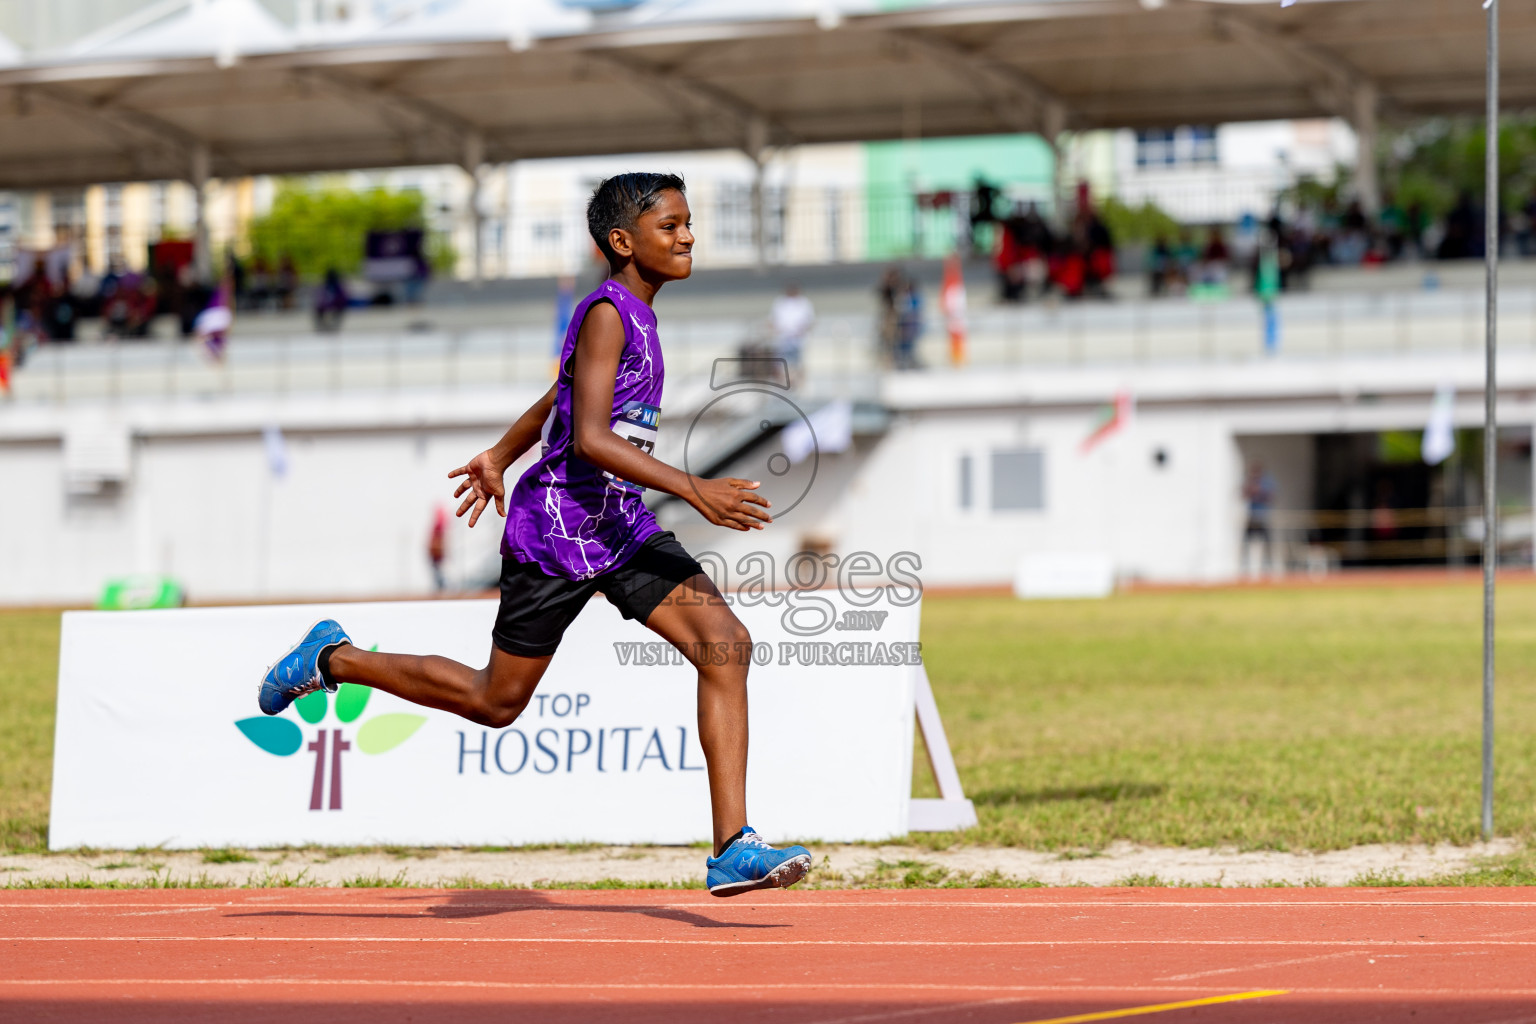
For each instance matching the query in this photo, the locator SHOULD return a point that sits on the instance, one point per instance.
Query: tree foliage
(327, 228)
(1131, 224)
(1432, 162)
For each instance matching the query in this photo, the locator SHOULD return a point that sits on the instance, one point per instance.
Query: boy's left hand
(483, 478)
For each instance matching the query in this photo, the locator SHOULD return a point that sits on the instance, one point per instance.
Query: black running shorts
(536, 608)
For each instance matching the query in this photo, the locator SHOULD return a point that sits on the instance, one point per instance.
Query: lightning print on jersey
(568, 516)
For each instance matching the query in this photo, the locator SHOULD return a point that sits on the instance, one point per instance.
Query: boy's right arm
(483, 474)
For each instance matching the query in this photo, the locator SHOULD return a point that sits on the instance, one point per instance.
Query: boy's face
(662, 242)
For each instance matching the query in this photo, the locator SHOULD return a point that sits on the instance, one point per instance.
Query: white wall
(901, 492)
(1254, 161)
(351, 517)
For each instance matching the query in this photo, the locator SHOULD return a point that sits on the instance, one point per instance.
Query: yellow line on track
(1137, 1011)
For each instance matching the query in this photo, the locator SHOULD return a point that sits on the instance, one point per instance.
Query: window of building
(10, 231)
(1018, 480)
(733, 216)
(113, 216)
(1187, 146)
(68, 216)
(1202, 144)
(965, 481)
(1154, 148)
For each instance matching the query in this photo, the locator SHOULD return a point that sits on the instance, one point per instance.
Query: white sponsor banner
(160, 742)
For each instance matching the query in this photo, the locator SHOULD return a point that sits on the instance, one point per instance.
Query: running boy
(576, 527)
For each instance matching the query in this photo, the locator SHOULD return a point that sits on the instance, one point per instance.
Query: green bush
(1137, 224)
(325, 228)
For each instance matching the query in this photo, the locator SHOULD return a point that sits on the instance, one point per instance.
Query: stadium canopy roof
(221, 88)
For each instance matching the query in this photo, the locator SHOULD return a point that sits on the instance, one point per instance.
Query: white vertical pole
(1490, 412)
(1367, 186)
(474, 156)
(201, 171)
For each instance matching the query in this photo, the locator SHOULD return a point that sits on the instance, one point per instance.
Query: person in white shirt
(791, 318)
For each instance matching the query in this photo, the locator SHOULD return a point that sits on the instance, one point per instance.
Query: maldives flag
(1111, 419)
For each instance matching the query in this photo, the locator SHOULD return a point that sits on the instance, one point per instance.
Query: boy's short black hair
(619, 201)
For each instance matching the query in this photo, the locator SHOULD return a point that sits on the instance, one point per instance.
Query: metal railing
(1321, 540)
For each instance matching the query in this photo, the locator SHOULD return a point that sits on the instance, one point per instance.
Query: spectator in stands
(1393, 221)
(984, 197)
(790, 319)
(61, 313)
(262, 289)
(192, 297)
(239, 282)
(1463, 230)
(330, 303)
(1259, 496)
(1024, 246)
(113, 301)
(1352, 240)
(1100, 252)
(437, 548)
(10, 340)
(892, 289)
(287, 285)
(909, 325)
(1186, 258)
(1524, 225)
(1161, 270)
(1214, 260)
(1415, 223)
(1008, 258)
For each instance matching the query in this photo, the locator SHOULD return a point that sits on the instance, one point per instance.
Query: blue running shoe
(298, 672)
(750, 863)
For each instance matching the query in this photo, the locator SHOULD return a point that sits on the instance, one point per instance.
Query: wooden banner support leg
(952, 811)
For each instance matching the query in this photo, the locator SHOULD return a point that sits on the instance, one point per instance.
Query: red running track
(991, 956)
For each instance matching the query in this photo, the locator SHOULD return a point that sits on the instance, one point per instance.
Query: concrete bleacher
(502, 333)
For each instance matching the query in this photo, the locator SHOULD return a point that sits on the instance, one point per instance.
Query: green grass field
(29, 665)
(1308, 718)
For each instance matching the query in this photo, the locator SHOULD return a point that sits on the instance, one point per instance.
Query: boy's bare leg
(693, 617)
(492, 696)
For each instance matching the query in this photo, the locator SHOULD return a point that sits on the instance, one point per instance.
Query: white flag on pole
(829, 430)
(1440, 433)
(277, 450)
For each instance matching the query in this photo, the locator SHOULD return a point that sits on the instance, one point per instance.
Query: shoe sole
(781, 877)
(263, 684)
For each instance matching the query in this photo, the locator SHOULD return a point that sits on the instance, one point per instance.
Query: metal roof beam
(394, 106)
(1333, 81)
(1001, 86)
(128, 129)
(746, 126)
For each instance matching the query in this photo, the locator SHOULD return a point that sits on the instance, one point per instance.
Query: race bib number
(636, 424)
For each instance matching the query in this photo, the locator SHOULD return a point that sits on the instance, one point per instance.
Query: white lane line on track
(1266, 966)
(947, 905)
(278, 984)
(920, 1011)
(710, 986)
(941, 943)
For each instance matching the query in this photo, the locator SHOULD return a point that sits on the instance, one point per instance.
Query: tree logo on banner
(283, 736)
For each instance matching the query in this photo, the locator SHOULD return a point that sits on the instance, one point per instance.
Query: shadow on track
(469, 904)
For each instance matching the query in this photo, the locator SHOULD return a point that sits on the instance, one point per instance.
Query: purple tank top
(567, 516)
